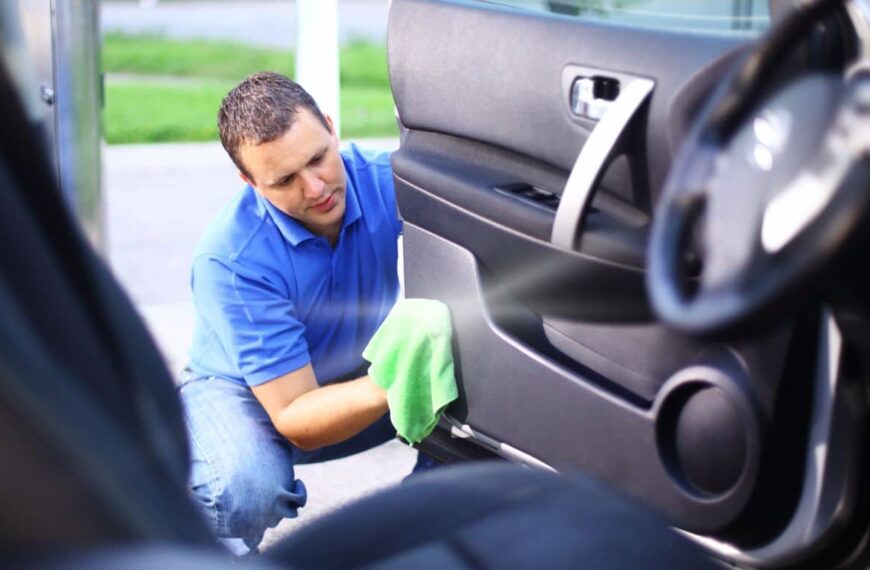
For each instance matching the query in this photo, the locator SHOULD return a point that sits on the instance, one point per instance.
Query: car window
(740, 17)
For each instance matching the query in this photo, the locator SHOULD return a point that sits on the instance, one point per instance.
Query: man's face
(301, 174)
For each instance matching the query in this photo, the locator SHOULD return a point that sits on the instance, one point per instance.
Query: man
(290, 281)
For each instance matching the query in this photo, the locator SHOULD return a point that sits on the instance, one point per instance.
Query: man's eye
(318, 159)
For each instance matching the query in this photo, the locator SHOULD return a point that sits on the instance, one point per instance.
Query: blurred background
(168, 64)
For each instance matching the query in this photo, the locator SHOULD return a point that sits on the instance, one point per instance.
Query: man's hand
(312, 416)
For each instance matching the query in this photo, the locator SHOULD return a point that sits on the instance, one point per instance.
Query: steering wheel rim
(753, 279)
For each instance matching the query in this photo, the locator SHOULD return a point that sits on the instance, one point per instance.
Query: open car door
(536, 137)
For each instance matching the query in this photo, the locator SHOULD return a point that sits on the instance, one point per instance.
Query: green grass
(138, 112)
(144, 109)
(367, 112)
(364, 64)
(153, 55)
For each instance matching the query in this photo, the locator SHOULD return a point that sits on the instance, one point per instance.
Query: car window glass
(741, 17)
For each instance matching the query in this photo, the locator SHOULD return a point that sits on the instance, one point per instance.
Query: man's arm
(312, 416)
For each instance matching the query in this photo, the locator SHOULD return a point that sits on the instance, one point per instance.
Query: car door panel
(519, 134)
(562, 416)
(506, 67)
(557, 355)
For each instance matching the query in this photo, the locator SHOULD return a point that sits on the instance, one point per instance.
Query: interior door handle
(591, 97)
(606, 142)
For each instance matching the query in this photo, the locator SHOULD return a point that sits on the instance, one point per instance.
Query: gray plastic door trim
(605, 143)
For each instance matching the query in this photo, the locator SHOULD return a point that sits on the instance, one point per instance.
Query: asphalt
(158, 199)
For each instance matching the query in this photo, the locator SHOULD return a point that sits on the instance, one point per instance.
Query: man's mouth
(325, 205)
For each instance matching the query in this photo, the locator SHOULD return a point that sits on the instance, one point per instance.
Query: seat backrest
(91, 434)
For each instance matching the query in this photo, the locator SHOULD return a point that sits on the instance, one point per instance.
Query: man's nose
(312, 185)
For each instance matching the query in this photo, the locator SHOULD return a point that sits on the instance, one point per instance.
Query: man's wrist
(378, 395)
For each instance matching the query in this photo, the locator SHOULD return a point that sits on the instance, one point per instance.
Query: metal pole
(77, 105)
(27, 48)
(317, 53)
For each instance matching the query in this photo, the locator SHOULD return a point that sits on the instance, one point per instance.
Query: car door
(536, 138)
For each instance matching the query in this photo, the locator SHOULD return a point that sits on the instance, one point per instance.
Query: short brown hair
(260, 109)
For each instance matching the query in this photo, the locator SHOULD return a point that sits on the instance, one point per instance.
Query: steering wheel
(764, 193)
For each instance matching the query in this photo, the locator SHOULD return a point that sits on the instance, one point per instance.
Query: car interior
(644, 295)
(585, 198)
(95, 451)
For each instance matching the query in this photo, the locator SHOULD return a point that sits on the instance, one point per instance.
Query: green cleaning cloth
(412, 359)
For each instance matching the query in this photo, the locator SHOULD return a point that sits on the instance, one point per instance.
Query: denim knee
(255, 496)
(241, 469)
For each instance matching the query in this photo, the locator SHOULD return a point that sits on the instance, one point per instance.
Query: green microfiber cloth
(412, 359)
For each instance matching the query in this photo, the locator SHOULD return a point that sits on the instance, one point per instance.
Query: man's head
(286, 149)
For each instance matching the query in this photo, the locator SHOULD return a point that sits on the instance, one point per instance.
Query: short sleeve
(255, 322)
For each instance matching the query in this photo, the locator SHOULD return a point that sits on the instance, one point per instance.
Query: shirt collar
(293, 231)
(352, 210)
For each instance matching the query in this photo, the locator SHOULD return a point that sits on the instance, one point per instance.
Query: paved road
(259, 22)
(158, 199)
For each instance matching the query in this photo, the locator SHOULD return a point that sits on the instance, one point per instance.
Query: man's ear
(331, 125)
(245, 179)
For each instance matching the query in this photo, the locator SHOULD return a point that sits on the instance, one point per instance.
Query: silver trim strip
(605, 142)
(465, 431)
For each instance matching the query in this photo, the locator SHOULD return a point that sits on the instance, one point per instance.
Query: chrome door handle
(605, 143)
(592, 96)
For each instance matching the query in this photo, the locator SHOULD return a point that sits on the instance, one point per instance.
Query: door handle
(592, 96)
(605, 143)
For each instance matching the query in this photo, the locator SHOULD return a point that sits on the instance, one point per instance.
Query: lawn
(161, 90)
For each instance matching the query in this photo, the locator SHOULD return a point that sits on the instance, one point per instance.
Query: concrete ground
(159, 198)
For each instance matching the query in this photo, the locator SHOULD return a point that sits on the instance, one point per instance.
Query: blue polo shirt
(271, 296)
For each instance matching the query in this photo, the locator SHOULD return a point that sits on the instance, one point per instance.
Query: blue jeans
(241, 468)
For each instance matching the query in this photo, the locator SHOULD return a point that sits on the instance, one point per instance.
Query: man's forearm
(331, 414)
